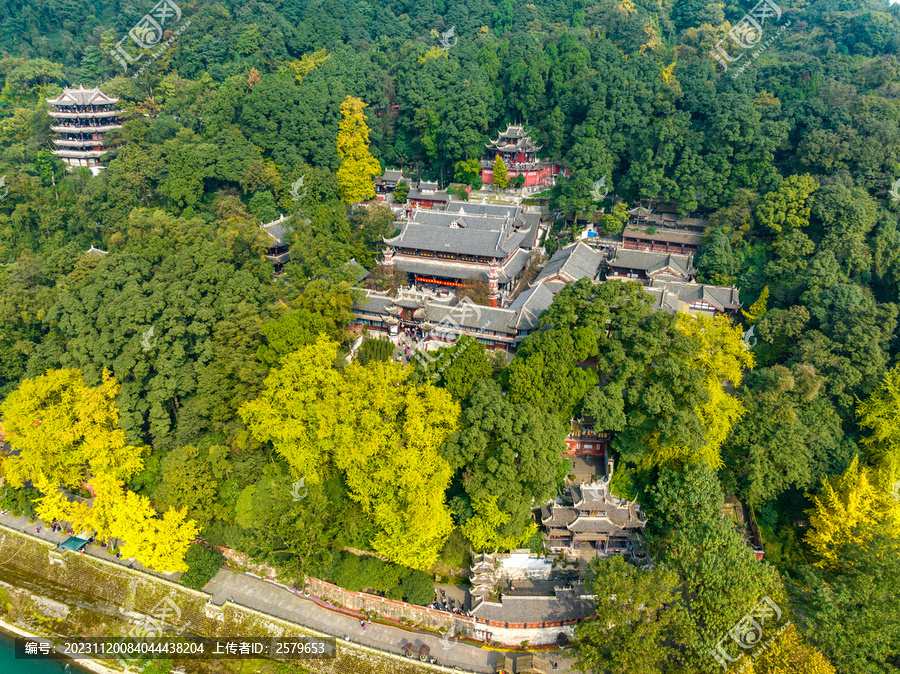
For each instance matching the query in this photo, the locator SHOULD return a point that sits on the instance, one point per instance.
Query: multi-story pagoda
(519, 153)
(82, 118)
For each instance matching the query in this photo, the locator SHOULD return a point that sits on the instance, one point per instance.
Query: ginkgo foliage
(375, 426)
(358, 166)
(880, 413)
(63, 430)
(481, 529)
(65, 433)
(845, 511)
(722, 357)
(158, 543)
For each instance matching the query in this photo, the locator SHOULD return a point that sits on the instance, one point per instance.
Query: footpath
(282, 602)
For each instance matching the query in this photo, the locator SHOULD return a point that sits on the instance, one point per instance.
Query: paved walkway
(281, 602)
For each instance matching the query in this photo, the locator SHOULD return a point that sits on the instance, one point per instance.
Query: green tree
(615, 221)
(842, 604)
(790, 436)
(375, 349)
(458, 368)
(401, 192)
(722, 578)
(312, 413)
(640, 624)
(509, 450)
(203, 563)
(468, 171)
(63, 431)
(500, 179)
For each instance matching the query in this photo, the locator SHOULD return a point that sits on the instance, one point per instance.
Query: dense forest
(246, 385)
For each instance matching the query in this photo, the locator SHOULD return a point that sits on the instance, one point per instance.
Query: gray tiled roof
(422, 196)
(668, 235)
(530, 609)
(447, 268)
(81, 96)
(531, 303)
(486, 243)
(651, 262)
(720, 297)
(555, 515)
(277, 229)
(374, 302)
(480, 317)
(425, 216)
(393, 176)
(475, 208)
(573, 262)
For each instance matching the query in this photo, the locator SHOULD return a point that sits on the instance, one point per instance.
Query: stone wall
(359, 602)
(63, 594)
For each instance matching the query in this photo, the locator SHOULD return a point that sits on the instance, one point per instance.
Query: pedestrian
(362, 623)
(37, 530)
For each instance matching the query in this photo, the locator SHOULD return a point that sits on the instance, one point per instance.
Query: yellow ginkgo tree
(722, 358)
(65, 433)
(358, 167)
(63, 430)
(846, 508)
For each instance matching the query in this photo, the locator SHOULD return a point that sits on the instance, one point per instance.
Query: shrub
(203, 563)
(375, 349)
(417, 587)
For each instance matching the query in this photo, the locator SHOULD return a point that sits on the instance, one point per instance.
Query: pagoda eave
(56, 114)
(85, 129)
(65, 142)
(79, 154)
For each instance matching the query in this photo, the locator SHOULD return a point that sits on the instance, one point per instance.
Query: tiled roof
(393, 176)
(81, 96)
(475, 208)
(422, 196)
(651, 262)
(556, 515)
(426, 216)
(721, 297)
(689, 238)
(277, 229)
(374, 302)
(472, 318)
(446, 268)
(531, 303)
(573, 262)
(529, 609)
(480, 242)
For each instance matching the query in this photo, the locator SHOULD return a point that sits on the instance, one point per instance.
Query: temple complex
(448, 248)
(82, 118)
(519, 153)
(429, 304)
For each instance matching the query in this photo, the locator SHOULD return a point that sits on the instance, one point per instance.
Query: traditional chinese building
(387, 182)
(427, 195)
(588, 517)
(448, 248)
(643, 266)
(81, 119)
(519, 153)
(694, 298)
(662, 240)
(277, 251)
